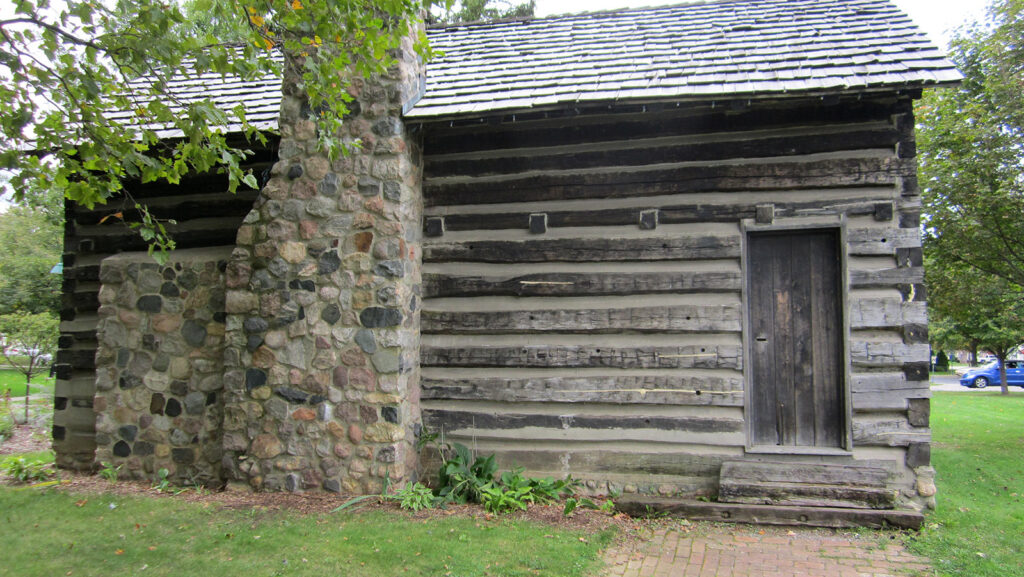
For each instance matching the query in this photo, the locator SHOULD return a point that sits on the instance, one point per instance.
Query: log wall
(205, 214)
(582, 284)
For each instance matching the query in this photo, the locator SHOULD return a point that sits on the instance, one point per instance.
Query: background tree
(31, 243)
(477, 10)
(65, 67)
(979, 308)
(31, 340)
(971, 145)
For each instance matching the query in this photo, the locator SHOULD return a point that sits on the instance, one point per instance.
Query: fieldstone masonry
(159, 374)
(322, 335)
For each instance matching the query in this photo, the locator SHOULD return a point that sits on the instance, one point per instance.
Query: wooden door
(796, 331)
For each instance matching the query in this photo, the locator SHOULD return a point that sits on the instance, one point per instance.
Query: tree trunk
(28, 383)
(1003, 387)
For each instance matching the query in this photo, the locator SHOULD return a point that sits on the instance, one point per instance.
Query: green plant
(461, 476)
(414, 497)
(499, 499)
(109, 471)
(573, 503)
(25, 470)
(162, 483)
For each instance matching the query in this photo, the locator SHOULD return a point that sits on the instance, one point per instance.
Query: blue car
(985, 375)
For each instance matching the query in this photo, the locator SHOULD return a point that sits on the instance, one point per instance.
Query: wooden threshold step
(805, 485)
(835, 517)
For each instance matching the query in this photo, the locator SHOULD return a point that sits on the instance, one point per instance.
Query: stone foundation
(159, 399)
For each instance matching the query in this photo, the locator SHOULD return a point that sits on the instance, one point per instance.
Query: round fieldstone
(156, 404)
(128, 432)
(255, 325)
(390, 268)
(183, 456)
(255, 378)
(266, 447)
(143, 449)
(170, 290)
(253, 342)
(376, 317)
(122, 449)
(332, 486)
(331, 314)
(364, 338)
(389, 414)
(173, 408)
(193, 332)
(329, 262)
(194, 403)
(188, 280)
(150, 303)
(294, 171)
(292, 395)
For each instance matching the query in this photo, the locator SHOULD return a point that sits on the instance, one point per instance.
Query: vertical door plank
(762, 321)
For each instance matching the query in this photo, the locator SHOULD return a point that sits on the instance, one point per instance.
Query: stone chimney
(323, 295)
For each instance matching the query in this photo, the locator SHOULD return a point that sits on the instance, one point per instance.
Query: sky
(935, 17)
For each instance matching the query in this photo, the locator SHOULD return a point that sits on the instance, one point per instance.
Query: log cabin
(673, 252)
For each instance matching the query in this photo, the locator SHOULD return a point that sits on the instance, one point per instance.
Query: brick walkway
(717, 550)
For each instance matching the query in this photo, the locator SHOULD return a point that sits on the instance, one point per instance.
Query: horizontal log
(886, 313)
(881, 242)
(609, 183)
(578, 250)
(650, 390)
(894, 431)
(835, 517)
(570, 284)
(543, 356)
(805, 473)
(599, 126)
(800, 495)
(595, 462)
(677, 319)
(178, 208)
(636, 153)
(857, 205)
(889, 381)
(449, 420)
(195, 233)
(886, 278)
(870, 354)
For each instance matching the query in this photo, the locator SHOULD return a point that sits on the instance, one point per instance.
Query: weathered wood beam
(677, 319)
(624, 357)
(569, 284)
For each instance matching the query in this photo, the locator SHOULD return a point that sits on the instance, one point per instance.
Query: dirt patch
(25, 439)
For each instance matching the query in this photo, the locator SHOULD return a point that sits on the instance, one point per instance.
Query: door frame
(838, 224)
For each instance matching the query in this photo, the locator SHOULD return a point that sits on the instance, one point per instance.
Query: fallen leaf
(81, 503)
(119, 552)
(152, 547)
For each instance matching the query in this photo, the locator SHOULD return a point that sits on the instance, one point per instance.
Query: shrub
(415, 497)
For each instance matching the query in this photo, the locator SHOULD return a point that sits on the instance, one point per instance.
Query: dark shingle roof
(723, 48)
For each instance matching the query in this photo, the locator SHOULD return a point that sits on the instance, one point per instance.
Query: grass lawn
(978, 453)
(54, 533)
(14, 381)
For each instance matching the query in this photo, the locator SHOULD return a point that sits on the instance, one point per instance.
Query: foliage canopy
(65, 67)
(971, 144)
